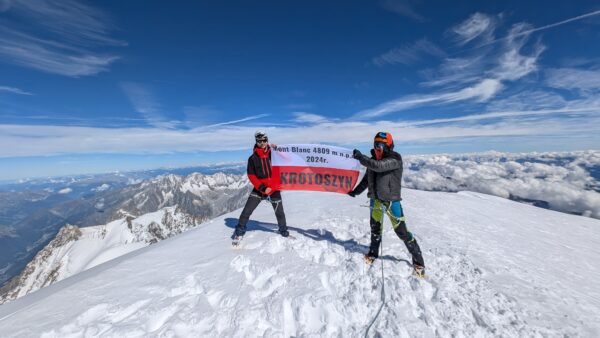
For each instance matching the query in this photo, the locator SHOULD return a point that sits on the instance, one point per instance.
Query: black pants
(394, 211)
(253, 201)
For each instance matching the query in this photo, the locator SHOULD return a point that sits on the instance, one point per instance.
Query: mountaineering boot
(419, 271)
(417, 257)
(371, 256)
(369, 259)
(415, 251)
(236, 240)
(237, 237)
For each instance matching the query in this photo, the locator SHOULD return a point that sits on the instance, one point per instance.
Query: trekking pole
(382, 275)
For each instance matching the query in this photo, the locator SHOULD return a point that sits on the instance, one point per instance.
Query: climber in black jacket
(260, 174)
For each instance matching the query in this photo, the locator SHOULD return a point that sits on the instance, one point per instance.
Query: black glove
(356, 154)
(352, 194)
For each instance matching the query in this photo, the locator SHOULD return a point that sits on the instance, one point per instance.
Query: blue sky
(121, 85)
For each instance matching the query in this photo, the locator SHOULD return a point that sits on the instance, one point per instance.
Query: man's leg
(398, 222)
(251, 204)
(375, 222)
(277, 204)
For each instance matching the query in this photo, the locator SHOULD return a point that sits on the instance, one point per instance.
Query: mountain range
(199, 195)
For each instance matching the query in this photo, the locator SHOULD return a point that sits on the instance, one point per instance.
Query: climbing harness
(277, 202)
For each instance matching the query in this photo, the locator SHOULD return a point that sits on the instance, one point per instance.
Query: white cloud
(556, 24)
(477, 26)
(530, 100)
(402, 7)
(478, 77)
(39, 140)
(208, 117)
(144, 102)
(456, 71)
(73, 20)
(200, 115)
(14, 90)
(44, 56)
(505, 114)
(481, 91)
(505, 62)
(409, 54)
(562, 180)
(573, 62)
(585, 80)
(245, 119)
(65, 191)
(303, 117)
(512, 65)
(4, 5)
(72, 33)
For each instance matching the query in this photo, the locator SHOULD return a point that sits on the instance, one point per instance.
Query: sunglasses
(262, 141)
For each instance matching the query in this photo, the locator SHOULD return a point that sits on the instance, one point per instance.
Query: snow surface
(495, 268)
(69, 254)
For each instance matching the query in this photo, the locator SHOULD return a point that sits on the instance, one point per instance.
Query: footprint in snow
(159, 318)
(243, 264)
(266, 283)
(189, 286)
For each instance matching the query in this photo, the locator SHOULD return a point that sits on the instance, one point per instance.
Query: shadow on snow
(314, 234)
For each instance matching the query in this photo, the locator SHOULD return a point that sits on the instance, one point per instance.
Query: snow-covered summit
(75, 249)
(496, 268)
(218, 192)
(196, 182)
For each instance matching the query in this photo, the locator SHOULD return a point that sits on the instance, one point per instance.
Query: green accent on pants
(377, 213)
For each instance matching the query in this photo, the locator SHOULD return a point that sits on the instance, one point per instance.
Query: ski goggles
(264, 140)
(379, 145)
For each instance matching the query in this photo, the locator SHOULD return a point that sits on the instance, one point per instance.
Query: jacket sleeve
(383, 165)
(360, 187)
(258, 185)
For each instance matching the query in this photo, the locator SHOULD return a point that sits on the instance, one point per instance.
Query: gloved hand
(356, 154)
(352, 194)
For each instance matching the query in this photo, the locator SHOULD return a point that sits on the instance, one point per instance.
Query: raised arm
(383, 165)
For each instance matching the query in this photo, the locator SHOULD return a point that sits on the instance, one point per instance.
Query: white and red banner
(314, 167)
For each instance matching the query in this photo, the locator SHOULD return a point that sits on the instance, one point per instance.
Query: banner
(314, 167)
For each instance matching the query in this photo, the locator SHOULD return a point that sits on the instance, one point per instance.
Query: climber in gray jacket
(384, 179)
